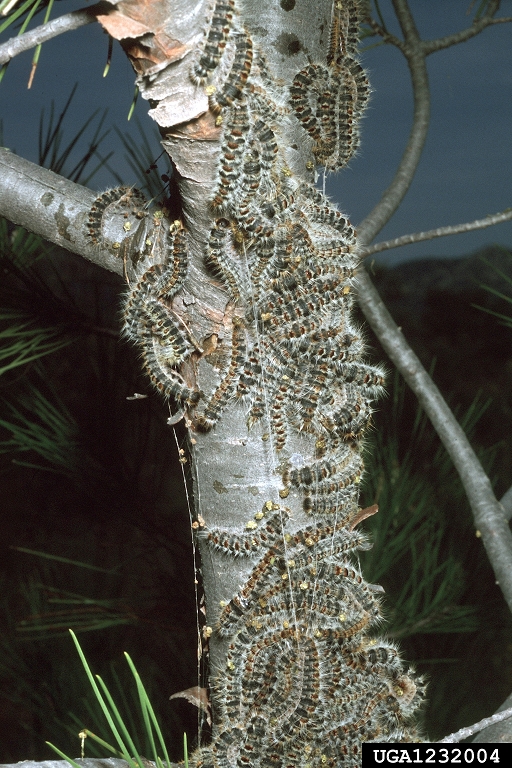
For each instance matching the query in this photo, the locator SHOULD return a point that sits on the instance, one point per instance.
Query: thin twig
(453, 229)
(387, 37)
(499, 732)
(487, 511)
(431, 46)
(440, 43)
(464, 733)
(415, 51)
(66, 23)
(395, 193)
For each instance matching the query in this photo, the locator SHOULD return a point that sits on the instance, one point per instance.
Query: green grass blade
(134, 102)
(103, 743)
(507, 319)
(92, 749)
(60, 559)
(103, 705)
(29, 17)
(61, 754)
(128, 706)
(145, 714)
(16, 14)
(148, 712)
(120, 722)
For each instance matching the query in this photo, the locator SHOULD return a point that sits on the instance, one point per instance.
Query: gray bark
(498, 733)
(50, 206)
(235, 471)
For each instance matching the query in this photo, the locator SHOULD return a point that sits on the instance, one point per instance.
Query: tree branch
(395, 193)
(453, 229)
(499, 732)
(51, 207)
(464, 733)
(506, 503)
(387, 37)
(431, 46)
(66, 23)
(415, 51)
(407, 24)
(487, 512)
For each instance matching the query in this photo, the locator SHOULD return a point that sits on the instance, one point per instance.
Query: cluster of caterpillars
(306, 682)
(158, 255)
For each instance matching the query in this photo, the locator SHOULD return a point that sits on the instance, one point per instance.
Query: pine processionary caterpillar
(299, 654)
(226, 389)
(232, 89)
(216, 40)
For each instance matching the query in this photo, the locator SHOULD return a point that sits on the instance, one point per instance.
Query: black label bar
(490, 755)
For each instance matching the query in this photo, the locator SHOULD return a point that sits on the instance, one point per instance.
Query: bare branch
(66, 23)
(415, 51)
(464, 733)
(387, 37)
(497, 732)
(50, 206)
(506, 503)
(487, 512)
(431, 46)
(395, 193)
(453, 229)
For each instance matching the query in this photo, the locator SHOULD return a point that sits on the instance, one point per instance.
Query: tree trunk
(250, 101)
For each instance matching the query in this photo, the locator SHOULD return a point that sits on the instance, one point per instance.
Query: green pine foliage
(99, 532)
(441, 598)
(504, 295)
(122, 729)
(411, 533)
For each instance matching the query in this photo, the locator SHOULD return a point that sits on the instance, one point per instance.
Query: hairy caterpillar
(304, 684)
(158, 252)
(215, 43)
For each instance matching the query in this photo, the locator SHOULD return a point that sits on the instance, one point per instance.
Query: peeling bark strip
(299, 680)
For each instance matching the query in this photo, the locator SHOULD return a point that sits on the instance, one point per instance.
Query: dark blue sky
(466, 168)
